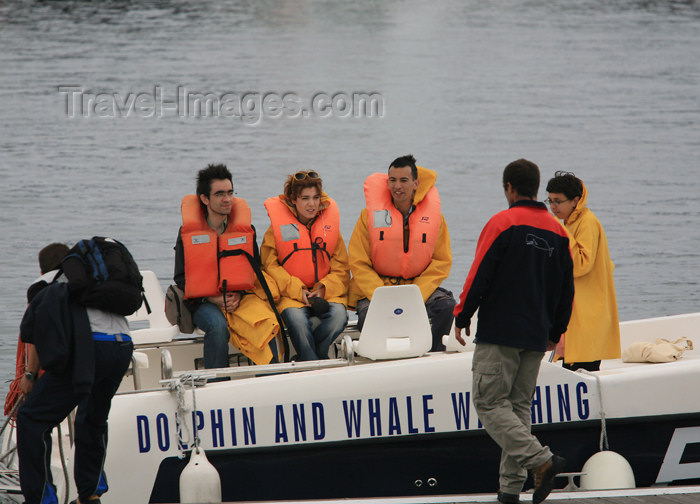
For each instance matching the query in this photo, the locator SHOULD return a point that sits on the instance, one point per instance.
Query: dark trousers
(440, 307)
(49, 402)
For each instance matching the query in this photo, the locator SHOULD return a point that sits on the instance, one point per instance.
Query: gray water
(607, 89)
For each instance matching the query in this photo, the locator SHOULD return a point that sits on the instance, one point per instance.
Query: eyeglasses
(221, 194)
(301, 175)
(552, 202)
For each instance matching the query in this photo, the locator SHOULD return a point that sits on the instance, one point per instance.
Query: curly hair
(565, 183)
(294, 185)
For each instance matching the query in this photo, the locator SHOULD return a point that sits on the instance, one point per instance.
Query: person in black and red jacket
(522, 283)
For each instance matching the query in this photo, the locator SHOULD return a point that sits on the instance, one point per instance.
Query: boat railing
(261, 370)
(346, 358)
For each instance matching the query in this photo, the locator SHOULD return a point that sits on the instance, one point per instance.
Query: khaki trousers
(504, 380)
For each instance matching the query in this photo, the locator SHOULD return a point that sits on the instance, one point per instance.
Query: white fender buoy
(607, 470)
(199, 481)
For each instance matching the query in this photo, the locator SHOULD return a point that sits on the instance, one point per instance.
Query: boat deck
(661, 495)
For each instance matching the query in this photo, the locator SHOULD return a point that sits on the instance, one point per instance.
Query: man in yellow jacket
(401, 238)
(594, 330)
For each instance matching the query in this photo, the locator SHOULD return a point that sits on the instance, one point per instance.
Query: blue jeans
(210, 319)
(312, 335)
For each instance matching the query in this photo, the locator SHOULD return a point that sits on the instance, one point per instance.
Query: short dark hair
(211, 172)
(523, 176)
(403, 161)
(51, 255)
(565, 183)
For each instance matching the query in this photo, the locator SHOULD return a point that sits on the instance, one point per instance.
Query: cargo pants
(504, 380)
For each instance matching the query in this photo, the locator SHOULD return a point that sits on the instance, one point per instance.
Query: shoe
(544, 477)
(507, 498)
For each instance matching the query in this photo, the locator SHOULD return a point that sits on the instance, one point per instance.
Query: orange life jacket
(385, 225)
(210, 268)
(303, 252)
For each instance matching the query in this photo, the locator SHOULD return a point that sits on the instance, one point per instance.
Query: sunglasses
(302, 175)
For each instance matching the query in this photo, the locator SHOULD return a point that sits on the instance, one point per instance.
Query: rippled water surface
(609, 90)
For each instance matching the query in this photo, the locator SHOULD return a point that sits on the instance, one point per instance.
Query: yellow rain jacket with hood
(253, 324)
(290, 286)
(594, 330)
(365, 279)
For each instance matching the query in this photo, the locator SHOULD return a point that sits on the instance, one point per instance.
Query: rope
(12, 413)
(180, 414)
(9, 421)
(5, 455)
(194, 408)
(603, 445)
(182, 432)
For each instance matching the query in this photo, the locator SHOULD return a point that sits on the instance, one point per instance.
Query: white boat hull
(398, 428)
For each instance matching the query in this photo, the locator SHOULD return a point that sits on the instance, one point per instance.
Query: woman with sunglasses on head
(594, 330)
(304, 252)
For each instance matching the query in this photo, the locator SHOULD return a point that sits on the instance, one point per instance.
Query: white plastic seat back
(159, 330)
(396, 325)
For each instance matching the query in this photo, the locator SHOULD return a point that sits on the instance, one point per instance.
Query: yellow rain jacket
(253, 324)
(290, 286)
(594, 330)
(257, 324)
(365, 279)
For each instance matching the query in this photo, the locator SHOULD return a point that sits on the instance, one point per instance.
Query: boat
(384, 418)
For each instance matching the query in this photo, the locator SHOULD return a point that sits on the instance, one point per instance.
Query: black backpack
(102, 274)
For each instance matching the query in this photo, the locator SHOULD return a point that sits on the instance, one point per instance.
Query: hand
(561, 346)
(458, 335)
(231, 302)
(233, 299)
(26, 385)
(551, 345)
(319, 291)
(305, 297)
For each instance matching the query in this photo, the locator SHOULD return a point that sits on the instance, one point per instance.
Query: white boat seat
(159, 330)
(451, 343)
(396, 325)
(139, 360)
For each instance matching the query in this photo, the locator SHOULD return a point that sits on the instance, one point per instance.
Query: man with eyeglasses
(216, 256)
(522, 282)
(401, 238)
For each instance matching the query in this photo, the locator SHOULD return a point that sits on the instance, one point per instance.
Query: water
(609, 90)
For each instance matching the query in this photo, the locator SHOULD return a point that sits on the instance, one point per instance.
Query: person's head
(50, 256)
(215, 189)
(564, 193)
(303, 190)
(403, 181)
(521, 180)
